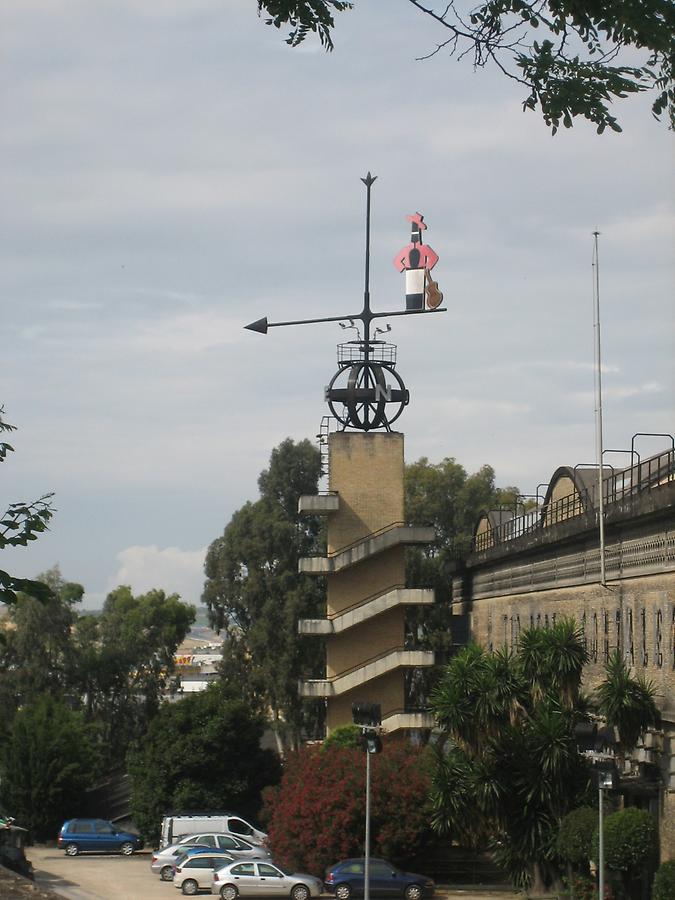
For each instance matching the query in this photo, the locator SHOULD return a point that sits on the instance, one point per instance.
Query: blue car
(346, 879)
(86, 835)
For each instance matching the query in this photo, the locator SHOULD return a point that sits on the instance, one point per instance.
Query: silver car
(163, 861)
(195, 872)
(263, 879)
(235, 846)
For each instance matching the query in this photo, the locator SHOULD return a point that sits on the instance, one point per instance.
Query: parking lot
(99, 876)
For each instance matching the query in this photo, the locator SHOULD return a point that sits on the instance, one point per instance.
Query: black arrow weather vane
(363, 401)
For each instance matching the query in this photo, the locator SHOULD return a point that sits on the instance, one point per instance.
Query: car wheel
(166, 873)
(343, 891)
(189, 886)
(300, 892)
(127, 848)
(413, 892)
(228, 892)
(72, 849)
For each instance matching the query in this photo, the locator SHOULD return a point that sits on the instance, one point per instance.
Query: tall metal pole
(598, 406)
(601, 845)
(366, 887)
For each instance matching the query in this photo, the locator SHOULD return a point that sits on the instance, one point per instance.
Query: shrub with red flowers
(316, 816)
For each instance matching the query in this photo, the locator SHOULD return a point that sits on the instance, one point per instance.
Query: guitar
(434, 296)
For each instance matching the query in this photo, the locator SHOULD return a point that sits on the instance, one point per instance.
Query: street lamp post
(594, 744)
(369, 717)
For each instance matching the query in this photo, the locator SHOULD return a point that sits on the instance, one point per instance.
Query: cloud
(169, 568)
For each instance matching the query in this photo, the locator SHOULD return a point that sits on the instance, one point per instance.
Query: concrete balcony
(395, 720)
(398, 596)
(318, 504)
(366, 671)
(393, 536)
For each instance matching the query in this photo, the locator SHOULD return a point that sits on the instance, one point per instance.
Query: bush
(316, 816)
(344, 736)
(630, 841)
(574, 843)
(664, 882)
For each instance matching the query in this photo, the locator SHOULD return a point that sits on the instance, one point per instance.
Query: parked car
(346, 879)
(178, 825)
(193, 870)
(237, 848)
(83, 835)
(263, 879)
(163, 861)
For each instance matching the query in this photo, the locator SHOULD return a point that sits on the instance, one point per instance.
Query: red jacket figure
(415, 260)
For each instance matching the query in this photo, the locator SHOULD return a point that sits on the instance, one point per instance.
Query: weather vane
(358, 394)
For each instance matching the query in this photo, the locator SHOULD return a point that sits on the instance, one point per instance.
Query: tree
(47, 761)
(316, 815)
(511, 770)
(574, 58)
(626, 702)
(114, 667)
(201, 751)
(124, 660)
(21, 523)
(256, 596)
(445, 496)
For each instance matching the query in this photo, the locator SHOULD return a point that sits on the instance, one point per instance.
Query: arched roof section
(571, 492)
(486, 533)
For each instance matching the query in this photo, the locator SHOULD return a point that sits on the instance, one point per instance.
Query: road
(99, 876)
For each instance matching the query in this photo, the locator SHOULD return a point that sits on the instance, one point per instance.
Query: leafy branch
(574, 70)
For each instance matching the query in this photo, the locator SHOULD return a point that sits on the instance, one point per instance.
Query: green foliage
(574, 843)
(255, 595)
(47, 760)
(20, 524)
(444, 496)
(663, 887)
(511, 769)
(114, 667)
(304, 16)
(630, 841)
(315, 816)
(626, 702)
(201, 752)
(575, 58)
(345, 736)
(124, 660)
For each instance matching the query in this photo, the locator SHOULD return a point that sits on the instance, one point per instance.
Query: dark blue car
(86, 835)
(346, 879)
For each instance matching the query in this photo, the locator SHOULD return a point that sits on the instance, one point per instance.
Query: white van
(178, 825)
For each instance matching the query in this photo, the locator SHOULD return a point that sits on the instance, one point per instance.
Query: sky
(171, 170)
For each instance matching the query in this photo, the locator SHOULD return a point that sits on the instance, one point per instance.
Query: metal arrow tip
(260, 326)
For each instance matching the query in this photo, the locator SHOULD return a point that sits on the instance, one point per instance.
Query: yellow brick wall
(366, 469)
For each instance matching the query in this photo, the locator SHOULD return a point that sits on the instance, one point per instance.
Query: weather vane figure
(360, 395)
(417, 259)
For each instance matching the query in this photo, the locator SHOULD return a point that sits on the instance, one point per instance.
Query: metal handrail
(639, 478)
(366, 662)
(363, 602)
(366, 537)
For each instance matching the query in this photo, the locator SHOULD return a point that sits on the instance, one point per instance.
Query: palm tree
(626, 702)
(511, 769)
